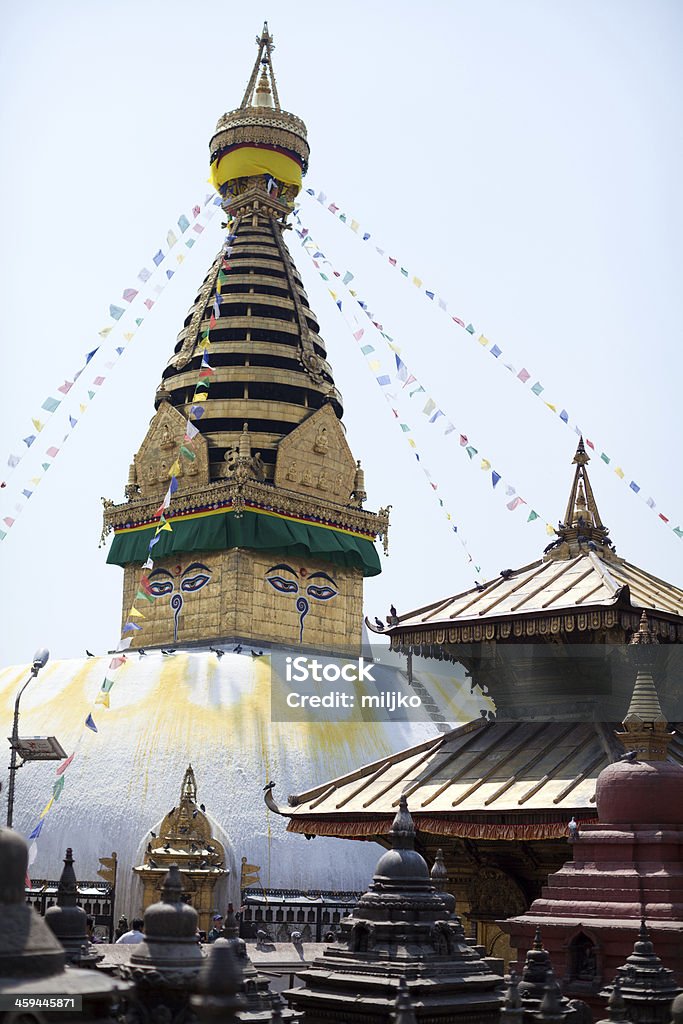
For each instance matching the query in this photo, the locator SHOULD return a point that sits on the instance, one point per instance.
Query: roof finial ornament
(267, 81)
(581, 531)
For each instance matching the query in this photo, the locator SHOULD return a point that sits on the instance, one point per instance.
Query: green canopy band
(258, 531)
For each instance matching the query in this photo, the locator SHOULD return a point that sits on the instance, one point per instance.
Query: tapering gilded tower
(263, 535)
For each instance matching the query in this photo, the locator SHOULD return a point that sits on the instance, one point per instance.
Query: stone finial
(537, 974)
(67, 889)
(439, 872)
(512, 1011)
(551, 1009)
(404, 1005)
(402, 826)
(69, 922)
(172, 889)
(170, 926)
(231, 928)
(616, 1007)
(647, 988)
(219, 983)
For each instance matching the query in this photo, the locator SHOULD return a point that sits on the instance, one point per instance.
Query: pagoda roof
(482, 780)
(552, 586)
(579, 573)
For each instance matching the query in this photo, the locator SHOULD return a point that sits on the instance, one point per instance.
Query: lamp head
(40, 658)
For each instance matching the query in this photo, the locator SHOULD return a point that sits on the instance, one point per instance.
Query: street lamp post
(40, 659)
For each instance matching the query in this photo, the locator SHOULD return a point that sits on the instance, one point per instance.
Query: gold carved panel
(315, 459)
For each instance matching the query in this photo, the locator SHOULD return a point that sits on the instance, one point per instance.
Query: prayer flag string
(386, 384)
(521, 374)
(406, 382)
(51, 404)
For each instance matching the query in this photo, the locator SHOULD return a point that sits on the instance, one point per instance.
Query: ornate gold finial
(358, 494)
(264, 61)
(266, 185)
(645, 729)
(188, 790)
(162, 395)
(581, 456)
(582, 529)
(244, 450)
(263, 96)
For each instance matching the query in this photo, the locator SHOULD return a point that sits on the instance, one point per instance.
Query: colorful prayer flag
(116, 312)
(50, 404)
(183, 222)
(515, 503)
(158, 257)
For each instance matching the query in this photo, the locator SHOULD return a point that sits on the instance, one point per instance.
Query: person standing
(217, 928)
(135, 934)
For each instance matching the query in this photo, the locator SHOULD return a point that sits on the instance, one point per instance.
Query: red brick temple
(627, 866)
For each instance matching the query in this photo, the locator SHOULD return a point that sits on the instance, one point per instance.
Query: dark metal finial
(172, 888)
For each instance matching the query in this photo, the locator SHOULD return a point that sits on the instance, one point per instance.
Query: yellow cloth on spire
(248, 161)
(175, 469)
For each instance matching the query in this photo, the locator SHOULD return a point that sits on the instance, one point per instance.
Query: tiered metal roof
(508, 780)
(580, 584)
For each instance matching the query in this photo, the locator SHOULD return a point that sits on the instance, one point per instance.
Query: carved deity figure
(321, 443)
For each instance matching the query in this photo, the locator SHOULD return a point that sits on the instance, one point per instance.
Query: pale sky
(523, 158)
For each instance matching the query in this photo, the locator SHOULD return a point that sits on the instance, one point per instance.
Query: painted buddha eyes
(324, 592)
(193, 583)
(192, 579)
(283, 586)
(160, 587)
(321, 593)
(300, 583)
